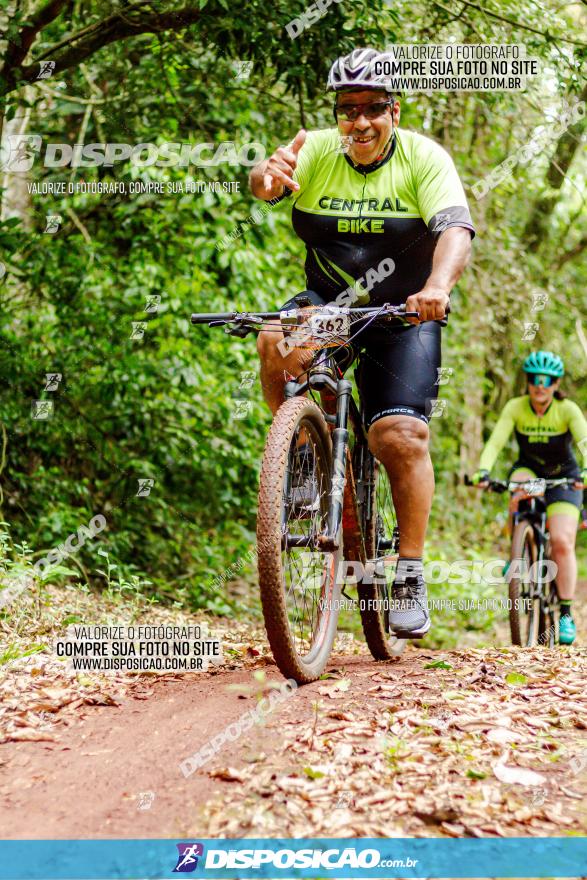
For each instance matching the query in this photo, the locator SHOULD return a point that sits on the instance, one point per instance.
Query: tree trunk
(17, 199)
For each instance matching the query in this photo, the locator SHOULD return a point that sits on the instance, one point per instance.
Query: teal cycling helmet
(544, 362)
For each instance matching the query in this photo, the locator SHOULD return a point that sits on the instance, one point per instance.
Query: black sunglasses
(351, 112)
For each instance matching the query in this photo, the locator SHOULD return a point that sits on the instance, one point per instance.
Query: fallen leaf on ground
(517, 775)
(228, 774)
(29, 735)
(502, 735)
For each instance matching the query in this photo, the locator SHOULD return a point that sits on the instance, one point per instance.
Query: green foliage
(163, 406)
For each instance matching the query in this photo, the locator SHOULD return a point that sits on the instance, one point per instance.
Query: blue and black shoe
(567, 631)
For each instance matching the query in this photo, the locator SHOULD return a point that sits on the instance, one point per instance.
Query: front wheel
(300, 589)
(524, 604)
(375, 592)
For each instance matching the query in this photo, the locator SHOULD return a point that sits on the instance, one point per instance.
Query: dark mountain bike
(323, 497)
(533, 595)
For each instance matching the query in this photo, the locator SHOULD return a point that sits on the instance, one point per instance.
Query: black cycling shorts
(398, 366)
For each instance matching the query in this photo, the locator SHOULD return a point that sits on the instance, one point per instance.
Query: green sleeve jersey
(545, 441)
(351, 217)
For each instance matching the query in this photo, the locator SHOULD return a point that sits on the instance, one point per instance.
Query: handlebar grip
(467, 480)
(206, 317)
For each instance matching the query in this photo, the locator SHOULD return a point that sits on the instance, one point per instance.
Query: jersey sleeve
(439, 192)
(578, 428)
(499, 436)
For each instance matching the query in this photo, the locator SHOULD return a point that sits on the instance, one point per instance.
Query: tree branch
(90, 29)
(39, 18)
(109, 30)
(525, 27)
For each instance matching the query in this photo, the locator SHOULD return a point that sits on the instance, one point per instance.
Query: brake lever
(240, 330)
(442, 321)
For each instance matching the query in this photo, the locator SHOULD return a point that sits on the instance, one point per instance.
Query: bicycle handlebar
(501, 486)
(230, 317)
(220, 318)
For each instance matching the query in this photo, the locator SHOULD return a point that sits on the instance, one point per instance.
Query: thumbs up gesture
(280, 167)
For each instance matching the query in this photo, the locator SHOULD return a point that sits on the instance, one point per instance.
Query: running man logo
(18, 151)
(53, 222)
(437, 408)
(243, 69)
(530, 331)
(145, 486)
(242, 408)
(346, 142)
(138, 329)
(345, 801)
(52, 381)
(441, 222)
(539, 301)
(41, 409)
(443, 375)
(145, 800)
(46, 69)
(247, 378)
(153, 302)
(187, 860)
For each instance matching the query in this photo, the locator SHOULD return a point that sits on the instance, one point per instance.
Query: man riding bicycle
(546, 424)
(367, 194)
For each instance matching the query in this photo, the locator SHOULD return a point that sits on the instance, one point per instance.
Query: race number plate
(536, 487)
(330, 325)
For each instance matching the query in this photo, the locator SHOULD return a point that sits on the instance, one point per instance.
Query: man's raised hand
(281, 166)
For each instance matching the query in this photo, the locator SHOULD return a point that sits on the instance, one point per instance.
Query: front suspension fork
(340, 439)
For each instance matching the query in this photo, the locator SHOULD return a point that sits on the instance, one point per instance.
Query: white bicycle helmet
(356, 70)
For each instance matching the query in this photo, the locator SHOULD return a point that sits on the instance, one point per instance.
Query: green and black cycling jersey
(545, 441)
(352, 217)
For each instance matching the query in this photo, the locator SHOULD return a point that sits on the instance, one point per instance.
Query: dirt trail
(436, 743)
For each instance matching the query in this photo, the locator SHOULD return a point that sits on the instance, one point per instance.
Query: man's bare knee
(398, 436)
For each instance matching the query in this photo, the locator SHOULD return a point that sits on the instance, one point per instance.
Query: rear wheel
(524, 605)
(379, 524)
(299, 587)
(547, 618)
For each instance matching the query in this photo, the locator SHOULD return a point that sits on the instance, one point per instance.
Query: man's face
(368, 136)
